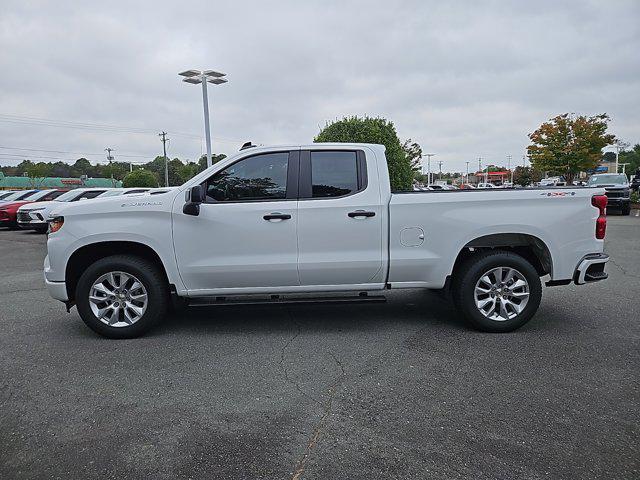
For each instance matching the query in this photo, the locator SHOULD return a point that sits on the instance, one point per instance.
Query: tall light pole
(110, 159)
(429, 155)
(440, 170)
(479, 168)
(617, 155)
(204, 76)
(509, 167)
(467, 172)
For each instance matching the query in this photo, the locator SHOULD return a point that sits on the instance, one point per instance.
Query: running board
(282, 300)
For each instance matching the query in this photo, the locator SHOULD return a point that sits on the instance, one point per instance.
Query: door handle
(277, 216)
(361, 213)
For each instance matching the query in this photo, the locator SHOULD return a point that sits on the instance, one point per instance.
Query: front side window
(333, 174)
(261, 177)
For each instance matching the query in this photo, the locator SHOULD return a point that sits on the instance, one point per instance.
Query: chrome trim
(585, 263)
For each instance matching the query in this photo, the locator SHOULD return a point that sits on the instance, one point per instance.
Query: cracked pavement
(395, 390)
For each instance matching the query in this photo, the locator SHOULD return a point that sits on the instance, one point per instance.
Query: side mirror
(195, 197)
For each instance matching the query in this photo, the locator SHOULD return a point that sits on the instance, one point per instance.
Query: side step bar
(283, 300)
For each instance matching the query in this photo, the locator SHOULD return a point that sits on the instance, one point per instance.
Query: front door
(339, 219)
(245, 234)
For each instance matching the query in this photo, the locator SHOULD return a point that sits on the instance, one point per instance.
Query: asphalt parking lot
(395, 390)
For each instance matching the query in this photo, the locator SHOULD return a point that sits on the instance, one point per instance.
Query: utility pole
(467, 172)
(110, 159)
(440, 170)
(429, 155)
(166, 163)
(617, 155)
(479, 168)
(509, 167)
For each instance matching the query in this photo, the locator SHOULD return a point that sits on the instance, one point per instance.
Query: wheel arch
(531, 247)
(92, 252)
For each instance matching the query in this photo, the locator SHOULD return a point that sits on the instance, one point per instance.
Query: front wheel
(122, 296)
(626, 209)
(497, 291)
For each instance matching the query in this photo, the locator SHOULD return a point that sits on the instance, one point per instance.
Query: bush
(635, 197)
(373, 130)
(140, 178)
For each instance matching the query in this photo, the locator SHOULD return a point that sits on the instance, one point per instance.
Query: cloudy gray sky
(464, 79)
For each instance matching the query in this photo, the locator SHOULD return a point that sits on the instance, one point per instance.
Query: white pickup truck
(314, 219)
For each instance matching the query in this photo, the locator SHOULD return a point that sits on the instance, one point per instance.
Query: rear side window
(333, 174)
(261, 177)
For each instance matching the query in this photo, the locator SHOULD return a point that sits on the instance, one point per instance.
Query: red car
(9, 208)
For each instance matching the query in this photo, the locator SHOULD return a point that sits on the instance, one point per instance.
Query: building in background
(26, 183)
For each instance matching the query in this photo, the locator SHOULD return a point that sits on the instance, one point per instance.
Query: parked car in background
(34, 217)
(269, 212)
(635, 182)
(5, 193)
(466, 186)
(16, 196)
(9, 210)
(617, 188)
(486, 185)
(553, 182)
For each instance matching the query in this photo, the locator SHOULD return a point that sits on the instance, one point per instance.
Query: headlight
(56, 224)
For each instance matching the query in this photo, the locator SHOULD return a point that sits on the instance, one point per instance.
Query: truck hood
(115, 205)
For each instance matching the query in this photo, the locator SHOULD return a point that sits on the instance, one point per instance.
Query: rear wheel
(497, 291)
(122, 296)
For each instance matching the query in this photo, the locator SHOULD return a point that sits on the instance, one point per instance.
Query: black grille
(23, 217)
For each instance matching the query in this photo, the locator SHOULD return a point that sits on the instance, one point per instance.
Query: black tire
(151, 277)
(626, 209)
(470, 272)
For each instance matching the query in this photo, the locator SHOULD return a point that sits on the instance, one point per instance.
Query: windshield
(612, 179)
(41, 194)
(68, 196)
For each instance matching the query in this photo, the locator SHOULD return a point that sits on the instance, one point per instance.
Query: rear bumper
(591, 269)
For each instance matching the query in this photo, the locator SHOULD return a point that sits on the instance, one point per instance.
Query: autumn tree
(525, 176)
(568, 144)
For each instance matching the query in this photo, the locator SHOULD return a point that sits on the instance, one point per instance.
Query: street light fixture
(195, 77)
(428, 155)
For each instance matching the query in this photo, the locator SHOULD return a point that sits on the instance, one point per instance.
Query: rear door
(339, 219)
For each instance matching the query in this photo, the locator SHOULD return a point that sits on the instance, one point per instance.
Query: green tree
(140, 178)
(37, 173)
(567, 145)
(632, 157)
(373, 130)
(215, 158)
(525, 176)
(82, 166)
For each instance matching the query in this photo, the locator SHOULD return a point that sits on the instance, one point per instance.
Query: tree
(525, 176)
(632, 157)
(567, 145)
(140, 178)
(82, 166)
(215, 158)
(37, 173)
(373, 130)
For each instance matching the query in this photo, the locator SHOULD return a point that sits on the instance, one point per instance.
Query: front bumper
(591, 269)
(57, 290)
(31, 220)
(618, 202)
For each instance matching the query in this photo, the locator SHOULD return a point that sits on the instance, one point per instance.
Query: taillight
(600, 202)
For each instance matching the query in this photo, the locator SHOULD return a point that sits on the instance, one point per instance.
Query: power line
(44, 122)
